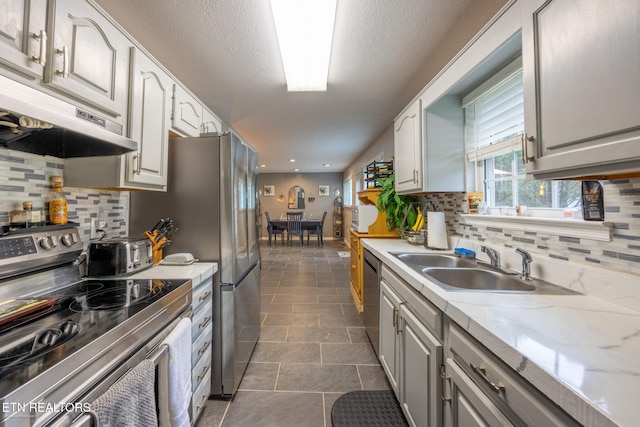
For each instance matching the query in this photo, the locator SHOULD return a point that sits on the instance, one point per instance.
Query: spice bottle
(27, 207)
(35, 216)
(58, 213)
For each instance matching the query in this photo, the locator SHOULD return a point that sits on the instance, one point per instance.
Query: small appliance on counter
(362, 216)
(113, 257)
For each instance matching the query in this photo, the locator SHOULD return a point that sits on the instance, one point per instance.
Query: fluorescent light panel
(305, 33)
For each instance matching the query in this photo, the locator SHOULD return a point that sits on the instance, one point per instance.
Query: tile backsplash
(622, 208)
(25, 177)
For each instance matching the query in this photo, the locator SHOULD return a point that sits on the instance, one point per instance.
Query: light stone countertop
(581, 351)
(196, 272)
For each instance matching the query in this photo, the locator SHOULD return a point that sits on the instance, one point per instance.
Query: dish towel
(179, 344)
(131, 402)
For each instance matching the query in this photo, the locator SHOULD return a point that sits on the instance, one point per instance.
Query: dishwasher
(371, 285)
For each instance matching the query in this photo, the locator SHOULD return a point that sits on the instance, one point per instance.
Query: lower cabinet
(202, 339)
(460, 384)
(356, 272)
(481, 390)
(410, 353)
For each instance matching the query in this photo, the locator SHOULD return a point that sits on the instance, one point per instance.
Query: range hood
(39, 123)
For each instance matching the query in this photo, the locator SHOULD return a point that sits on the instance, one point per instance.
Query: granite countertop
(581, 351)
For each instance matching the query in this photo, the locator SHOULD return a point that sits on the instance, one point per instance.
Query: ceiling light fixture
(292, 160)
(296, 170)
(263, 166)
(326, 165)
(305, 33)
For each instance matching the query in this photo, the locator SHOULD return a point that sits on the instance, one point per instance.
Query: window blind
(494, 113)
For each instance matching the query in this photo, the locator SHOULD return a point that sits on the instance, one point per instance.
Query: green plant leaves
(396, 206)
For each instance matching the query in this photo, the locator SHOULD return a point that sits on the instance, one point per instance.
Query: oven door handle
(160, 358)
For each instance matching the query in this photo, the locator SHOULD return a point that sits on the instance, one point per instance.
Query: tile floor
(312, 348)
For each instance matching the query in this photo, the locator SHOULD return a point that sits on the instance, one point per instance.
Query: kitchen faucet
(526, 261)
(493, 255)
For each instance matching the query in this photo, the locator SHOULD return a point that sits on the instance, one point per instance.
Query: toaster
(120, 256)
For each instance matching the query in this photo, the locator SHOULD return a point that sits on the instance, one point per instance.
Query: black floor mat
(367, 408)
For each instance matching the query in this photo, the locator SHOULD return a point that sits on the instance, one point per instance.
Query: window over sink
(493, 131)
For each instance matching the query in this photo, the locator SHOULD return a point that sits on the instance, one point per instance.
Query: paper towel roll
(436, 231)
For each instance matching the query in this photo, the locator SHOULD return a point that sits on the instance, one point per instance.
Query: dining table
(307, 224)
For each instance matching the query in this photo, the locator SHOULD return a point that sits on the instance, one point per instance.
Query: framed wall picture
(323, 190)
(269, 190)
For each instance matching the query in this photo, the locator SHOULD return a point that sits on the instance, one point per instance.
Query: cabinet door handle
(137, 163)
(481, 371)
(526, 158)
(42, 38)
(415, 176)
(65, 62)
(395, 319)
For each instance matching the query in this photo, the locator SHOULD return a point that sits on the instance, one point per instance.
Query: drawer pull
(481, 371)
(202, 402)
(204, 347)
(204, 322)
(205, 296)
(203, 374)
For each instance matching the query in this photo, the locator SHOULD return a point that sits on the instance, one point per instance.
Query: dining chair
(317, 230)
(294, 226)
(274, 230)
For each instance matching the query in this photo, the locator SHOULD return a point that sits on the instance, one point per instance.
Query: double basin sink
(459, 274)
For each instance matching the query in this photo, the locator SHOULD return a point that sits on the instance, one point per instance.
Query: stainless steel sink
(458, 274)
(476, 279)
(434, 260)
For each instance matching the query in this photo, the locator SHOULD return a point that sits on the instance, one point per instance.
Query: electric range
(59, 354)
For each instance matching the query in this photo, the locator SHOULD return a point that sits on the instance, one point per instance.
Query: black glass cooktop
(83, 312)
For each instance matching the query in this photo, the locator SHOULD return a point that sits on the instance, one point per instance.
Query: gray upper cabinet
(210, 123)
(187, 113)
(151, 90)
(581, 68)
(23, 36)
(150, 121)
(407, 136)
(88, 57)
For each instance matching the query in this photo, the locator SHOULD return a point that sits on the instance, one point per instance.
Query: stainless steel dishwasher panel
(371, 285)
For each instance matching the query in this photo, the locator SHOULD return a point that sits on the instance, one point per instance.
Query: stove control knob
(69, 328)
(48, 338)
(69, 239)
(48, 242)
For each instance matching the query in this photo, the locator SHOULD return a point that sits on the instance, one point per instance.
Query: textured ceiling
(226, 53)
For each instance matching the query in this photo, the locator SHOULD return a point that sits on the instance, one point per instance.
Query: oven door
(155, 351)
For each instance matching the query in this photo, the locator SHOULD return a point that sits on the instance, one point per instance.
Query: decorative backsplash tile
(27, 177)
(622, 208)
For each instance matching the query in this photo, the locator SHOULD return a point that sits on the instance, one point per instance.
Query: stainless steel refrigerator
(212, 199)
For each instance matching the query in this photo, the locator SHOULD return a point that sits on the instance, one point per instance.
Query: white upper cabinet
(210, 123)
(186, 118)
(150, 121)
(88, 57)
(151, 91)
(23, 36)
(581, 69)
(407, 137)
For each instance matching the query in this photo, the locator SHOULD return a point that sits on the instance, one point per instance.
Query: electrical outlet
(97, 225)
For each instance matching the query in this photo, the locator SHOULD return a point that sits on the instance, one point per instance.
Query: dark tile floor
(313, 346)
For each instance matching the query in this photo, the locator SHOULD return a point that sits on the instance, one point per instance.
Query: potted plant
(396, 206)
